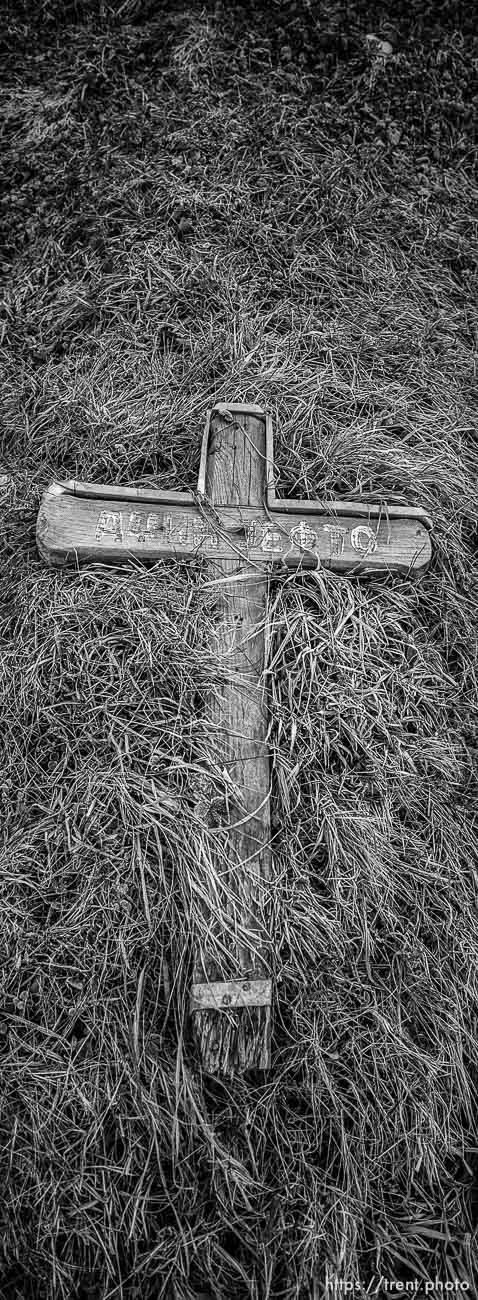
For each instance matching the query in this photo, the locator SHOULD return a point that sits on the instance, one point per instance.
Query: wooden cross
(243, 532)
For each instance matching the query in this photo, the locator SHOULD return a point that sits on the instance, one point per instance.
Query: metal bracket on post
(226, 995)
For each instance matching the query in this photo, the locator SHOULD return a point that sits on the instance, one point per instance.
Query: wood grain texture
(236, 715)
(78, 529)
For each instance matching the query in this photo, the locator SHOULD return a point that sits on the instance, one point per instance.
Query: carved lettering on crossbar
(190, 532)
(337, 536)
(303, 537)
(357, 539)
(261, 534)
(111, 524)
(187, 530)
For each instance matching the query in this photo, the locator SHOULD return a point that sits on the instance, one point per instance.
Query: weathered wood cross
(243, 531)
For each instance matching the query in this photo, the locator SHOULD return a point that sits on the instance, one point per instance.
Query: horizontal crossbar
(74, 529)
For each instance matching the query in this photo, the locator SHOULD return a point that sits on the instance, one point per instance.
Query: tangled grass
(212, 204)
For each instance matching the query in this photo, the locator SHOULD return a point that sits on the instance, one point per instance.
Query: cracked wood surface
(236, 723)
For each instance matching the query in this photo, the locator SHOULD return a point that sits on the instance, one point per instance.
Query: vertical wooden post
(236, 721)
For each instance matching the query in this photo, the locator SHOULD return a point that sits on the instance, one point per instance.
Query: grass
(222, 203)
